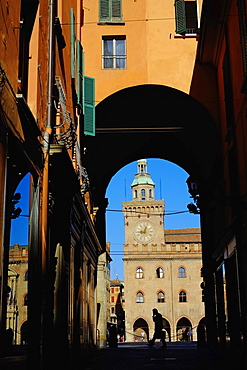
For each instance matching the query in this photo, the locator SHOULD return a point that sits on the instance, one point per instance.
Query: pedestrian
(185, 334)
(113, 336)
(190, 334)
(159, 331)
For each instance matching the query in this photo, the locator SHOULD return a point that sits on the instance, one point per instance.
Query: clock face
(144, 231)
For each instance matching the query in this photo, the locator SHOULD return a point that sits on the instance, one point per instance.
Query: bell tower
(142, 186)
(144, 216)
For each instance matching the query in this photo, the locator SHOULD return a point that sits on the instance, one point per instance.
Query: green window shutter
(80, 72)
(104, 10)
(89, 106)
(72, 42)
(180, 14)
(110, 10)
(116, 9)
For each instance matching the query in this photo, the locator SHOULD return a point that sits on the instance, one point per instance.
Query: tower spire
(142, 186)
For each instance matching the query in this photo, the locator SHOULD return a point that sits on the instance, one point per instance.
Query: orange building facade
(46, 108)
(147, 63)
(141, 36)
(219, 82)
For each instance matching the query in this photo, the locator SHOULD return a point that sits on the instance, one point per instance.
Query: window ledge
(186, 36)
(114, 69)
(111, 23)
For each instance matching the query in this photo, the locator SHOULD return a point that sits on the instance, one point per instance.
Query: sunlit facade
(162, 268)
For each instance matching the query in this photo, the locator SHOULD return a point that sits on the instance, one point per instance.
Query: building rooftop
(183, 235)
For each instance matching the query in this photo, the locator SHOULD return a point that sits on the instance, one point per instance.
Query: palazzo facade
(162, 268)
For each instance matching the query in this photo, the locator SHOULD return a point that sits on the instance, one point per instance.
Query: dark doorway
(184, 330)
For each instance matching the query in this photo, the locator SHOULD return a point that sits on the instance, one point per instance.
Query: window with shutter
(72, 42)
(186, 17)
(180, 16)
(110, 10)
(89, 106)
(116, 9)
(85, 91)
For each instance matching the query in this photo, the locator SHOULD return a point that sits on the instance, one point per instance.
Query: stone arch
(201, 332)
(167, 327)
(202, 321)
(182, 329)
(140, 325)
(157, 122)
(24, 332)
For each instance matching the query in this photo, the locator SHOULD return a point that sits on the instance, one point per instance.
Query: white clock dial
(144, 231)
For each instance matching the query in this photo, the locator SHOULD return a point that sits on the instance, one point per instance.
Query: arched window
(26, 300)
(139, 273)
(26, 276)
(159, 272)
(135, 193)
(143, 194)
(139, 297)
(150, 193)
(161, 297)
(182, 296)
(181, 272)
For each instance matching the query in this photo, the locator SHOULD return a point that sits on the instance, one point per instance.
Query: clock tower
(161, 267)
(143, 216)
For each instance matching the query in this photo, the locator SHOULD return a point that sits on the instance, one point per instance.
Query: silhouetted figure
(113, 336)
(159, 331)
(201, 336)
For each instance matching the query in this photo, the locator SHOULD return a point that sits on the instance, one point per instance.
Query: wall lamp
(194, 192)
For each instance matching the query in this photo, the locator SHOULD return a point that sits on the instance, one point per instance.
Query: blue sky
(19, 226)
(170, 185)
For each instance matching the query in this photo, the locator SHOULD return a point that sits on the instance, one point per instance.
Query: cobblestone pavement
(179, 355)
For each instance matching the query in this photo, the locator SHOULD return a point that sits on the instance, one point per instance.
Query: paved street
(184, 356)
(138, 356)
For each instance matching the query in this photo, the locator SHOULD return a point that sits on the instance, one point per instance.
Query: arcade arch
(141, 330)
(184, 329)
(150, 121)
(157, 122)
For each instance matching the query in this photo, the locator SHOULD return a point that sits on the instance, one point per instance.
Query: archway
(24, 333)
(150, 121)
(153, 121)
(141, 330)
(201, 333)
(166, 326)
(184, 330)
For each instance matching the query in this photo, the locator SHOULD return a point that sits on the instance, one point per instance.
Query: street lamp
(194, 192)
(192, 186)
